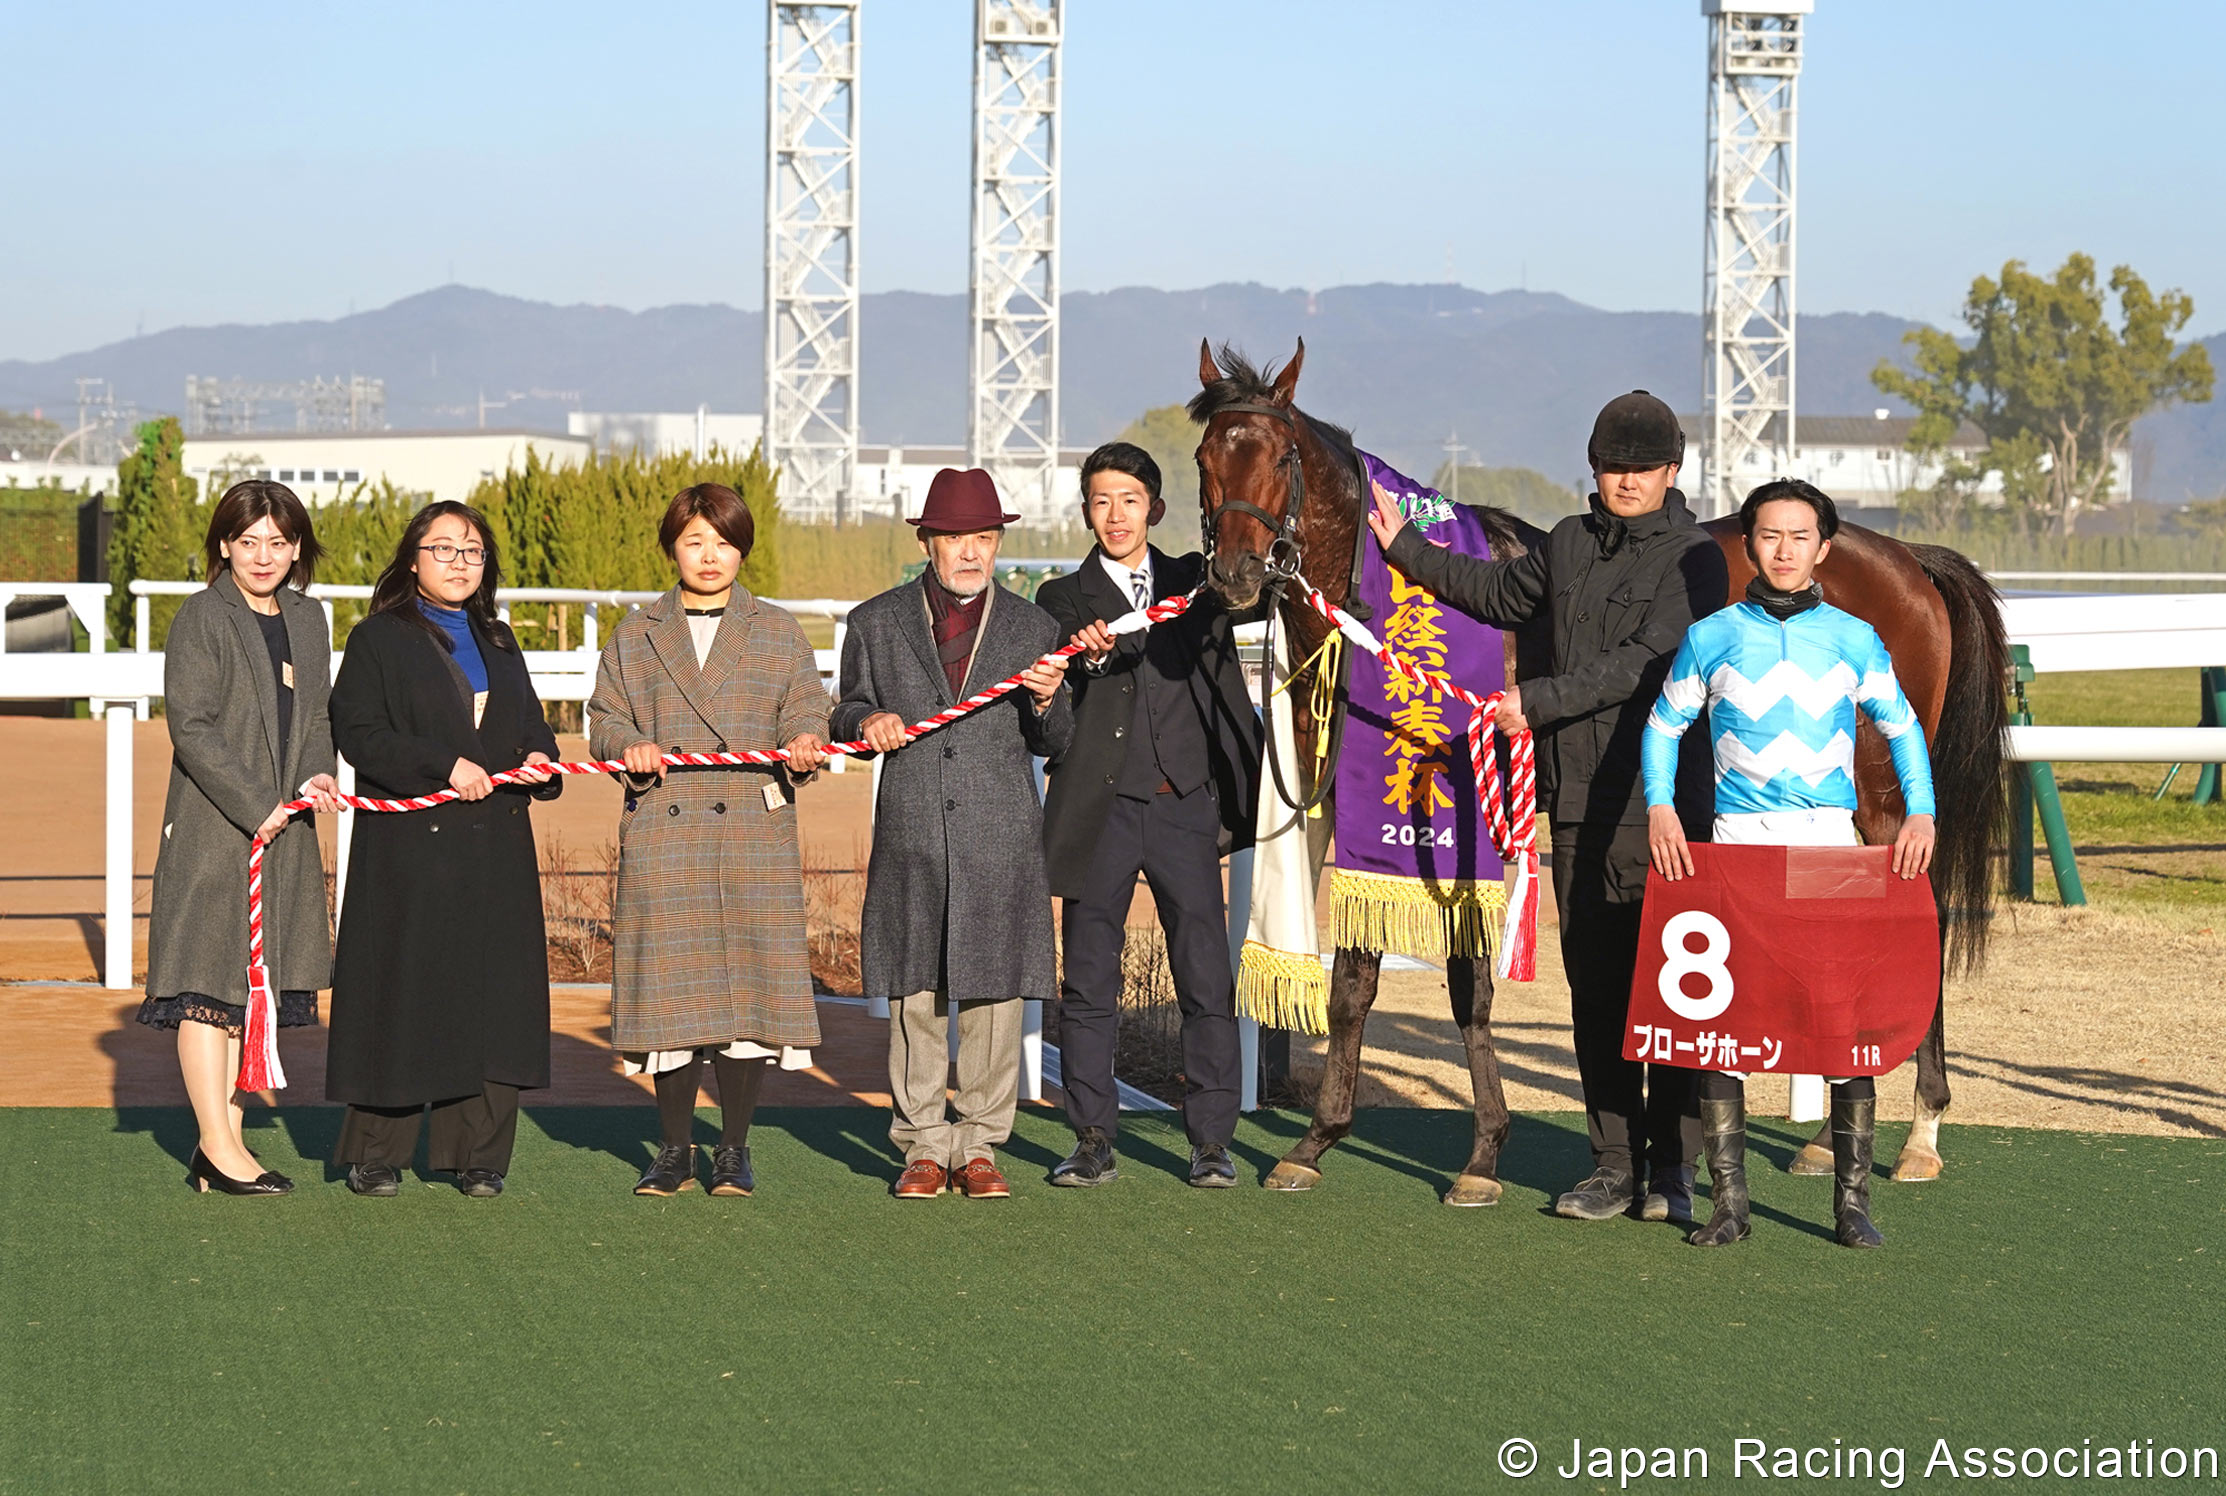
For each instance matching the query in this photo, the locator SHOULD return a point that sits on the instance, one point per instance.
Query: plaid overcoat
(708, 931)
(955, 894)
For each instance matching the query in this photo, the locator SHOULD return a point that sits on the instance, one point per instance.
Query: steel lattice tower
(1013, 422)
(1747, 388)
(811, 253)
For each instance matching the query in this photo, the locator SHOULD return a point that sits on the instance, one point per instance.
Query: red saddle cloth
(1790, 960)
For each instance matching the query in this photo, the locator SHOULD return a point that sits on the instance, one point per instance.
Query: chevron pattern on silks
(259, 1067)
(1782, 699)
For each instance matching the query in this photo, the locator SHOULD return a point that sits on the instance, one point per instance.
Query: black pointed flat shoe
(203, 1176)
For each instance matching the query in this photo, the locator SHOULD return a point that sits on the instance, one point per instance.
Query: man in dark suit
(1161, 776)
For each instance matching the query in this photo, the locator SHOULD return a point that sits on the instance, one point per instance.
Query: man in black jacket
(1621, 583)
(1161, 775)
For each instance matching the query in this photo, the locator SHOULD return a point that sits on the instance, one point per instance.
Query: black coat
(1620, 595)
(441, 976)
(1084, 777)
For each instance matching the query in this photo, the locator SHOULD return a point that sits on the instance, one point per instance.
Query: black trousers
(1174, 840)
(470, 1132)
(1637, 1114)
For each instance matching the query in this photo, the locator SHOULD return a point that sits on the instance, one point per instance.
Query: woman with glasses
(246, 670)
(708, 929)
(440, 990)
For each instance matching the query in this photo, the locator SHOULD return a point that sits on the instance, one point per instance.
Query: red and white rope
(1510, 810)
(259, 1067)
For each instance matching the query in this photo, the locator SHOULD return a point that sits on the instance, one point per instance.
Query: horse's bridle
(1283, 554)
(1282, 560)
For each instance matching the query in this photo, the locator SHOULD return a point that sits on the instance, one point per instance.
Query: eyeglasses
(446, 554)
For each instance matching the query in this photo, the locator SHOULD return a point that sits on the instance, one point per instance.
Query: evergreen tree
(159, 525)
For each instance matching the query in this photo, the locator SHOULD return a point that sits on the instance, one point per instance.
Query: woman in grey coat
(246, 670)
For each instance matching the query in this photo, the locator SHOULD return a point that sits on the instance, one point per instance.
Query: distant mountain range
(1517, 374)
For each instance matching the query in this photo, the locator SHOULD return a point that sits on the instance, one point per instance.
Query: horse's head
(1248, 472)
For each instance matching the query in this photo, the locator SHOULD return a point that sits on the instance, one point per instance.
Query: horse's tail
(1968, 768)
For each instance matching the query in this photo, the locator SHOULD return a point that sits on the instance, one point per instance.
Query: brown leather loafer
(921, 1180)
(979, 1180)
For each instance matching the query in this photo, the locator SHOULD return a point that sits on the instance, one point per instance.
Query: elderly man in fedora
(957, 906)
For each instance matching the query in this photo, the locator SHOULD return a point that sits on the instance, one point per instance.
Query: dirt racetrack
(2090, 1019)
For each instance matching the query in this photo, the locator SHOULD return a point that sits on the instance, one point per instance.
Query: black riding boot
(1854, 1132)
(1723, 1137)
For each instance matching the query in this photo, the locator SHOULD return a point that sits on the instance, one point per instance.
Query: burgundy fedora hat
(961, 503)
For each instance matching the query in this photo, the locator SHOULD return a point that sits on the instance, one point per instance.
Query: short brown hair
(256, 499)
(719, 506)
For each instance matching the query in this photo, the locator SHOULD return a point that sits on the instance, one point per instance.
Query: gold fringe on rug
(1412, 917)
(1283, 989)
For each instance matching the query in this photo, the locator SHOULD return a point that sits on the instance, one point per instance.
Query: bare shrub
(834, 904)
(1148, 1049)
(577, 895)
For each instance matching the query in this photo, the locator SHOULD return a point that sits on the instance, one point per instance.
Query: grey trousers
(919, 1066)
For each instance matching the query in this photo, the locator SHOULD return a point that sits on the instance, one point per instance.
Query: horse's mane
(1243, 383)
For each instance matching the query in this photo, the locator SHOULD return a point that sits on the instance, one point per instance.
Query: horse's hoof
(1289, 1176)
(1811, 1160)
(1916, 1165)
(1473, 1189)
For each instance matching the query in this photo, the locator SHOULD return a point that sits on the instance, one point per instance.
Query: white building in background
(322, 466)
(893, 483)
(665, 433)
(1864, 462)
(36, 472)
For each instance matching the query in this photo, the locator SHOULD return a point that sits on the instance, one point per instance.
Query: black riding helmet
(1635, 433)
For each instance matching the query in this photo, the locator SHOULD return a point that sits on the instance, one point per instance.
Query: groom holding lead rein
(1621, 583)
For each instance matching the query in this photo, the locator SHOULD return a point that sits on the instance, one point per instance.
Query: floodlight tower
(1754, 68)
(811, 253)
(1013, 421)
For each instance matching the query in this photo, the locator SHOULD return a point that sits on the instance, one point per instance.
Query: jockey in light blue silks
(1782, 675)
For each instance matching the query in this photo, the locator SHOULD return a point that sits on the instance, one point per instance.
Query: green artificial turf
(1142, 1337)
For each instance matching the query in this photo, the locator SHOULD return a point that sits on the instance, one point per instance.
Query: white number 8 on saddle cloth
(1679, 962)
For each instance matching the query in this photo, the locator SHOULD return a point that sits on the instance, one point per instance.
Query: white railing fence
(2130, 631)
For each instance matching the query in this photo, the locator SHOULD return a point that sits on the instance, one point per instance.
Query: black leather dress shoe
(381, 1180)
(1601, 1194)
(731, 1173)
(673, 1170)
(1090, 1164)
(479, 1184)
(1211, 1168)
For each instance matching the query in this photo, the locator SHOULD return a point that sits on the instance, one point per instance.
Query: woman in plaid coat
(708, 932)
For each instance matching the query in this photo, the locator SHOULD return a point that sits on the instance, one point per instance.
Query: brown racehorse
(1936, 612)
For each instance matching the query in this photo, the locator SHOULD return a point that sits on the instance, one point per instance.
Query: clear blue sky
(262, 162)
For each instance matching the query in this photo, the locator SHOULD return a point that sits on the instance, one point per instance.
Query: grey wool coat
(228, 771)
(955, 893)
(708, 932)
